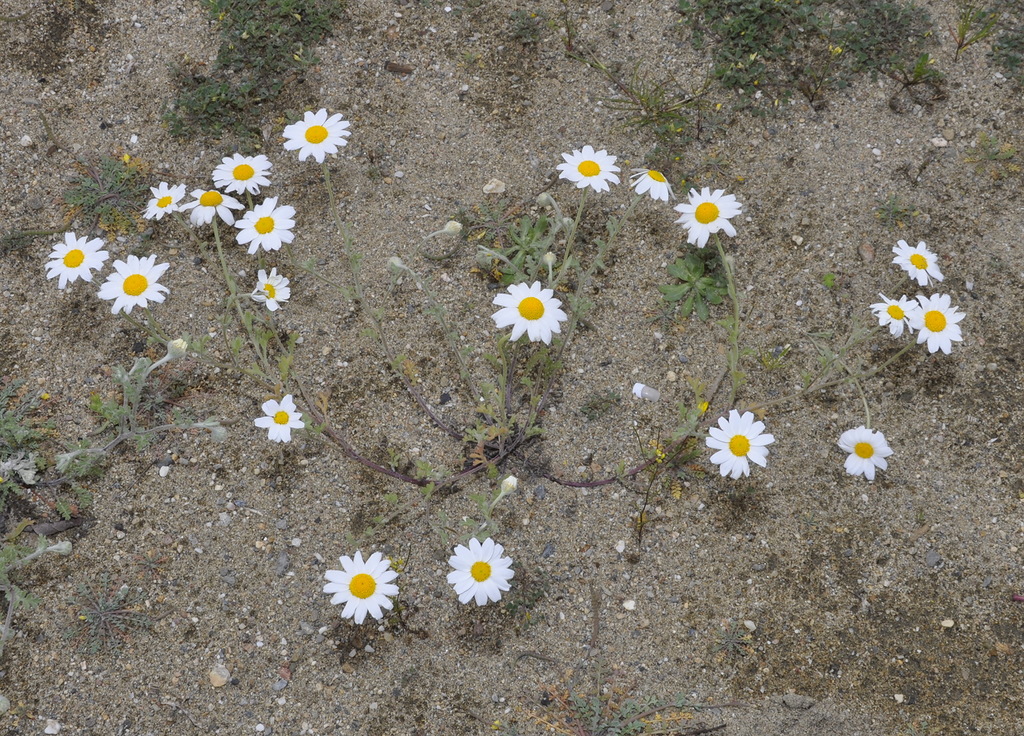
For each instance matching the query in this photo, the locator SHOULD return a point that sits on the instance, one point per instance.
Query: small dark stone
(932, 558)
(279, 685)
(549, 549)
(283, 562)
(445, 398)
(540, 492)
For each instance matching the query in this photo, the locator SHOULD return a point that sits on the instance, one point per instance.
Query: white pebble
(52, 726)
(25, 142)
(629, 605)
(620, 546)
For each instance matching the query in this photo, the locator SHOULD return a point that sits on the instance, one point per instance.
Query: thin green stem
(734, 324)
(570, 240)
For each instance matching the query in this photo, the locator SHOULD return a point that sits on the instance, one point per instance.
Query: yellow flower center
(739, 446)
(135, 284)
(243, 172)
(264, 225)
(74, 258)
(211, 199)
(362, 585)
(531, 308)
(863, 449)
(895, 312)
(935, 321)
(480, 571)
(919, 260)
(164, 201)
(271, 291)
(656, 175)
(589, 168)
(281, 417)
(316, 134)
(706, 213)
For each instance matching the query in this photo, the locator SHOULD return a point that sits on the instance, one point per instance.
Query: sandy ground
(848, 583)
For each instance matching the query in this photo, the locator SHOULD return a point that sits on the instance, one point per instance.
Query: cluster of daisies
(533, 310)
(934, 318)
(740, 439)
(267, 226)
(480, 572)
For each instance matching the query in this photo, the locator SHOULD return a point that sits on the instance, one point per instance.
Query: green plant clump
(107, 616)
(699, 284)
(109, 196)
(265, 44)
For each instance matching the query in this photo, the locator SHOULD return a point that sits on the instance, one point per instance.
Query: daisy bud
(545, 200)
(452, 227)
(218, 434)
(61, 548)
(549, 259)
(646, 392)
(395, 264)
(509, 485)
(177, 349)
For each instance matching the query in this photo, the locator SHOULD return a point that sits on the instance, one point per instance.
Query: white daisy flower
(75, 258)
(589, 168)
(738, 439)
(317, 135)
(937, 322)
(652, 182)
(868, 450)
(165, 199)
(242, 174)
(481, 572)
(364, 587)
(266, 225)
(210, 202)
(281, 418)
(707, 213)
(895, 314)
(920, 263)
(529, 309)
(134, 283)
(271, 290)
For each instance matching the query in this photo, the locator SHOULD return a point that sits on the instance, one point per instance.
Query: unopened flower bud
(545, 200)
(395, 264)
(646, 392)
(61, 548)
(549, 259)
(177, 349)
(452, 227)
(509, 485)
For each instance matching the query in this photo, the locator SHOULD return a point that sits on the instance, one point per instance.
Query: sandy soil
(847, 582)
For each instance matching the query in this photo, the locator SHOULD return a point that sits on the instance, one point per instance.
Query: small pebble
(629, 605)
(947, 623)
(750, 625)
(620, 546)
(898, 697)
(219, 675)
(26, 142)
(279, 685)
(52, 726)
(494, 186)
